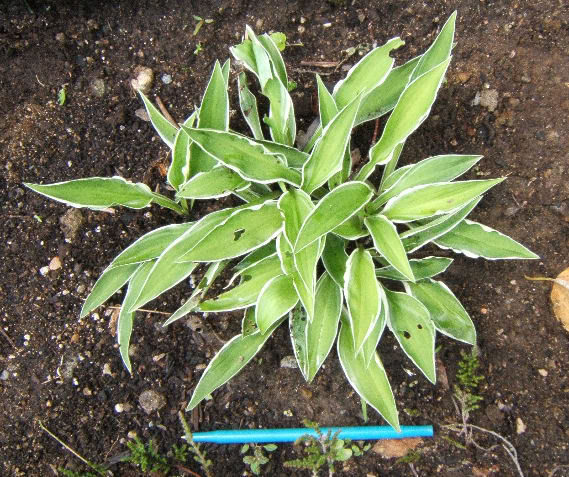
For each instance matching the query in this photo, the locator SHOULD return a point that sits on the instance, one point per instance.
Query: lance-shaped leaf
(383, 98)
(335, 258)
(439, 50)
(179, 169)
(326, 157)
(367, 73)
(245, 230)
(370, 346)
(228, 361)
(370, 382)
(97, 193)
(326, 103)
(254, 257)
(213, 271)
(410, 322)
(477, 240)
(217, 182)
(321, 331)
(352, 229)
(247, 292)
(248, 105)
(434, 199)
(275, 56)
(126, 318)
(297, 328)
(387, 242)
(165, 129)
(250, 159)
(434, 169)
(295, 205)
(293, 156)
(110, 281)
(421, 267)
(281, 112)
(334, 209)
(213, 114)
(277, 297)
(420, 235)
(303, 287)
(411, 110)
(362, 296)
(447, 313)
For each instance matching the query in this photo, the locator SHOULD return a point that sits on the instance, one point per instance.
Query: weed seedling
(259, 458)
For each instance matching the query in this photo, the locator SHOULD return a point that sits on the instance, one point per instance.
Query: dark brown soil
(53, 362)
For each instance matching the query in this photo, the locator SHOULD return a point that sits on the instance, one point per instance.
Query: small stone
(301, 29)
(142, 114)
(543, 372)
(289, 362)
(158, 357)
(390, 448)
(107, 369)
(489, 99)
(4, 375)
(98, 87)
(151, 400)
(87, 392)
(44, 271)
(520, 426)
(60, 38)
(166, 79)
(55, 263)
(122, 407)
(74, 338)
(80, 289)
(143, 79)
(525, 79)
(132, 434)
(307, 393)
(259, 24)
(463, 76)
(92, 25)
(361, 17)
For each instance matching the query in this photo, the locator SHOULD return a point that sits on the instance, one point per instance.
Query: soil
(67, 372)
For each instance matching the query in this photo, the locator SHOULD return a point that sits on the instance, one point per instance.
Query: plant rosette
(318, 244)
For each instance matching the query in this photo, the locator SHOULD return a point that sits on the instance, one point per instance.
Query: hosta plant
(314, 243)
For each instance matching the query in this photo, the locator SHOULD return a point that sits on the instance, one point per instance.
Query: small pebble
(123, 407)
(525, 79)
(520, 426)
(132, 434)
(107, 369)
(151, 400)
(44, 271)
(543, 372)
(166, 79)
(143, 80)
(80, 289)
(289, 362)
(142, 114)
(87, 392)
(4, 375)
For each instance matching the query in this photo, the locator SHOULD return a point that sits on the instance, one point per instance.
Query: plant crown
(317, 241)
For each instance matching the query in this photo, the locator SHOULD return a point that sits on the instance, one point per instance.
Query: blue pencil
(356, 433)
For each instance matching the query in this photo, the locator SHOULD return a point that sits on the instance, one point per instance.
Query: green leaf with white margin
(447, 313)
(165, 129)
(228, 361)
(286, 256)
(321, 331)
(367, 73)
(213, 271)
(254, 257)
(362, 293)
(335, 257)
(370, 382)
(422, 268)
(334, 209)
(110, 281)
(247, 292)
(387, 242)
(217, 182)
(248, 105)
(326, 157)
(295, 206)
(243, 52)
(418, 236)
(263, 68)
(225, 68)
(410, 322)
(478, 240)
(275, 55)
(383, 98)
(434, 169)
(281, 112)
(97, 193)
(248, 325)
(439, 50)
(276, 299)
(213, 114)
(326, 104)
(179, 169)
(250, 159)
(125, 320)
(370, 346)
(244, 231)
(294, 157)
(409, 113)
(352, 229)
(297, 324)
(429, 200)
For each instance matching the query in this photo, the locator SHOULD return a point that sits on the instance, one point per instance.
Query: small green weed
(198, 49)
(326, 449)
(259, 458)
(62, 95)
(465, 391)
(146, 456)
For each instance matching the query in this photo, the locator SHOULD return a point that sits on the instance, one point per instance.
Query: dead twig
(375, 132)
(165, 112)
(312, 72)
(9, 340)
(143, 310)
(185, 469)
(320, 64)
